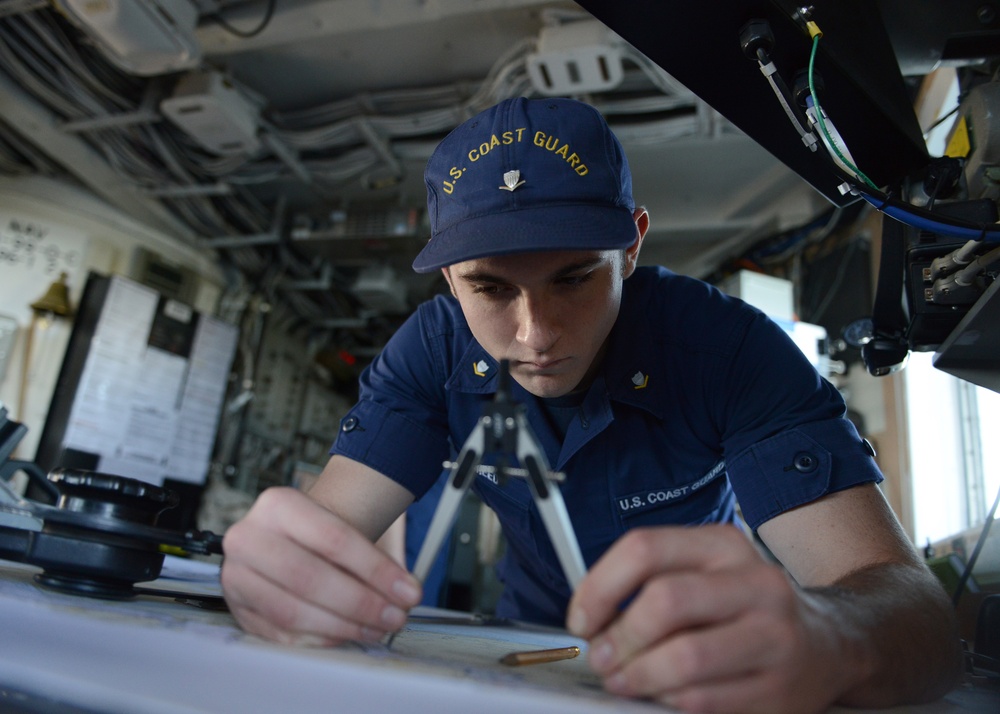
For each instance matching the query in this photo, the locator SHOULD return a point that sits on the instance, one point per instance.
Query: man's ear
(447, 276)
(641, 218)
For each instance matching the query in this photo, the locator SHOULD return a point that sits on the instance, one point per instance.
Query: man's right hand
(296, 573)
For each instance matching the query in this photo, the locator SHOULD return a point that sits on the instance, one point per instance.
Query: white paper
(147, 412)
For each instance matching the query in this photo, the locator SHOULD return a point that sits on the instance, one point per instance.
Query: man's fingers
(640, 555)
(675, 603)
(741, 649)
(698, 656)
(295, 572)
(319, 628)
(301, 592)
(335, 542)
(263, 626)
(750, 694)
(750, 682)
(708, 626)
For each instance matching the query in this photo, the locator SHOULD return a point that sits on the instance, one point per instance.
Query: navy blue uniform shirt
(701, 400)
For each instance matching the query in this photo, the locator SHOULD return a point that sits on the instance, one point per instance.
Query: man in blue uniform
(664, 401)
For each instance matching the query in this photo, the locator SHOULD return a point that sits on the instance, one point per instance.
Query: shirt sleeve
(399, 425)
(785, 434)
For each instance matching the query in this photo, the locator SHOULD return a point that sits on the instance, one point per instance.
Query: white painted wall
(104, 239)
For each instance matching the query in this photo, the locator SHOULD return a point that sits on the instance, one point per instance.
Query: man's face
(548, 313)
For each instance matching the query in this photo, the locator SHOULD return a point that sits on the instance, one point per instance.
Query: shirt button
(868, 447)
(350, 424)
(805, 462)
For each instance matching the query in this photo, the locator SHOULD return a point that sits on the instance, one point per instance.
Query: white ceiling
(353, 96)
(706, 185)
(709, 189)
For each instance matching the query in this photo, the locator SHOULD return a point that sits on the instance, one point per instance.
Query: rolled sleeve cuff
(405, 450)
(798, 466)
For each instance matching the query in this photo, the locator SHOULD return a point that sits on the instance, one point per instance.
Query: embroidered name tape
(644, 500)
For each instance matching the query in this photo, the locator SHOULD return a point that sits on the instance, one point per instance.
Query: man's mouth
(543, 365)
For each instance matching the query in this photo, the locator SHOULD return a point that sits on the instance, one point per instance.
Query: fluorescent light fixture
(141, 37)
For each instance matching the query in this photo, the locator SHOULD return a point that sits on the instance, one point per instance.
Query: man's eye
(486, 289)
(576, 279)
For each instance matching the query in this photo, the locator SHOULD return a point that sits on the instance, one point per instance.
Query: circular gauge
(859, 332)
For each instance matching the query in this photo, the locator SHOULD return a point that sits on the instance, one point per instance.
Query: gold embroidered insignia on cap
(511, 180)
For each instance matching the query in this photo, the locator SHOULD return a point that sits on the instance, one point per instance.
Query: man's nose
(537, 325)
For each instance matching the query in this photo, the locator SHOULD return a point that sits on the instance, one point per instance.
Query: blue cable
(912, 218)
(907, 215)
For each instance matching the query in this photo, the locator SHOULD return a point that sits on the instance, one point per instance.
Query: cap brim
(544, 228)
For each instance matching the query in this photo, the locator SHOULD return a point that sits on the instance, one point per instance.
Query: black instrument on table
(98, 537)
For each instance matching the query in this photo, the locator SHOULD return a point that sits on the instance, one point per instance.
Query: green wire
(822, 123)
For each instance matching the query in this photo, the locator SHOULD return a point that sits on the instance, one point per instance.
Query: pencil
(516, 659)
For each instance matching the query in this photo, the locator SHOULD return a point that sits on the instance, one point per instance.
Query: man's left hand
(711, 626)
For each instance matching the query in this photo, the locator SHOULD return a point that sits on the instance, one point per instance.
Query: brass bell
(55, 299)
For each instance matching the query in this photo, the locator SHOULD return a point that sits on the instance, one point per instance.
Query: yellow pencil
(516, 659)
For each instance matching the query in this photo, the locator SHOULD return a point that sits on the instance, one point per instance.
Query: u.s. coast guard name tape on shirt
(635, 503)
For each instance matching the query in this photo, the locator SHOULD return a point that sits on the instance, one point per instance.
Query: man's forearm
(898, 627)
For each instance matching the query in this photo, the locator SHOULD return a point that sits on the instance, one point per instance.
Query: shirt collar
(475, 371)
(648, 394)
(632, 370)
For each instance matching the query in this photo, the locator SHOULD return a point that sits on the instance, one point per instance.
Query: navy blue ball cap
(527, 175)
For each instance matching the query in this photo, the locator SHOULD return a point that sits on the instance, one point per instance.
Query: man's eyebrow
(588, 264)
(482, 276)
